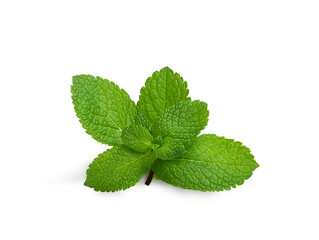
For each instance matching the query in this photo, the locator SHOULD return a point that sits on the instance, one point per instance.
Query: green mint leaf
(162, 90)
(211, 164)
(102, 107)
(140, 119)
(137, 138)
(178, 126)
(117, 168)
(159, 135)
(172, 148)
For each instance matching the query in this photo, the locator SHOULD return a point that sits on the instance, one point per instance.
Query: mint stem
(149, 178)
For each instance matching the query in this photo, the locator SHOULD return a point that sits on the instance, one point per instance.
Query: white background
(256, 64)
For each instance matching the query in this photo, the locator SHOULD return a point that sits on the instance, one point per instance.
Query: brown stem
(149, 178)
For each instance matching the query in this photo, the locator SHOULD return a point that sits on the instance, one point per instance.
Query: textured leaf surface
(137, 138)
(178, 126)
(117, 168)
(140, 119)
(211, 164)
(162, 90)
(102, 107)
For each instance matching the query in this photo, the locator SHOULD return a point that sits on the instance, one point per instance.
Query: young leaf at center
(178, 126)
(137, 138)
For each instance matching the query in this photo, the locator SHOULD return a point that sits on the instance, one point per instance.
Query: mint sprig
(159, 134)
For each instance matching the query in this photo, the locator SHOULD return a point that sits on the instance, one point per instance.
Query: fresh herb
(158, 135)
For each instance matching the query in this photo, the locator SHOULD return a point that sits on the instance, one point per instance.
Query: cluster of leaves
(159, 135)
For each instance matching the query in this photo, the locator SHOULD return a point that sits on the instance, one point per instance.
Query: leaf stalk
(149, 178)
